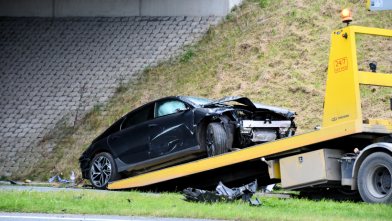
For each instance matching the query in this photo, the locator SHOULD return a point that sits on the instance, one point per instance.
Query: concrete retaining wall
(88, 8)
(54, 69)
(115, 8)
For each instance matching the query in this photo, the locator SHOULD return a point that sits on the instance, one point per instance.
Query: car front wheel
(103, 170)
(216, 139)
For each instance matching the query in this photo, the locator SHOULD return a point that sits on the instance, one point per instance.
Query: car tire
(374, 178)
(103, 170)
(216, 139)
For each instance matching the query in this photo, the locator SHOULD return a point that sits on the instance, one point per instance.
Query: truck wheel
(374, 178)
(103, 170)
(216, 139)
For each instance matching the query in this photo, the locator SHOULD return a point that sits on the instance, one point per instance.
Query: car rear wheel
(374, 178)
(216, 139)
(103, 170)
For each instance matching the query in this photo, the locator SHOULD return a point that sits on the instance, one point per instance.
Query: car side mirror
(182, 109)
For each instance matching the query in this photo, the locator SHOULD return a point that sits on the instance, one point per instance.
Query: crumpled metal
(247, 102)
(221, 194)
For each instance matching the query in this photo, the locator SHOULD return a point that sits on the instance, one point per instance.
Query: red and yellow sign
(341, 64)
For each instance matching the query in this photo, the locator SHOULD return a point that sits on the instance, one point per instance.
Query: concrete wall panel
(184, 7)
(94, 8)
(115, 8)
(26, 8)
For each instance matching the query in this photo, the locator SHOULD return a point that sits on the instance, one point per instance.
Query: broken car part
(221, 193)
(255, 202)
(263, 135)
(269, 188)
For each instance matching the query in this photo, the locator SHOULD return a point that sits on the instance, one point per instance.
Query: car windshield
(199, 100)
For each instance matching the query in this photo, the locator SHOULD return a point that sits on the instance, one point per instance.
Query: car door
(171, 130)
(131, 142)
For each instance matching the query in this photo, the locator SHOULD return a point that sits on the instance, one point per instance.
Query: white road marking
(64, 218)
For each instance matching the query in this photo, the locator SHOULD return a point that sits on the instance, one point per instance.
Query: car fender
(90, 153)
(98, 147)
(201, 113)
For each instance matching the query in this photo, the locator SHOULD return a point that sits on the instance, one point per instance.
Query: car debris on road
(59, 178)
(223, 194)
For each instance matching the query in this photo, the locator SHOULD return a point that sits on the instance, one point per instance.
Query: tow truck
(347, 157)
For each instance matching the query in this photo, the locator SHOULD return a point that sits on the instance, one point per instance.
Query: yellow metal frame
(342, 96)
(342, 113)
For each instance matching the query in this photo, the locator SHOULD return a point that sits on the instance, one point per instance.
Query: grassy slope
(170, 205)
(274, 52)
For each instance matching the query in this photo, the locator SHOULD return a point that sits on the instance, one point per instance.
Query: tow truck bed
(207, 172)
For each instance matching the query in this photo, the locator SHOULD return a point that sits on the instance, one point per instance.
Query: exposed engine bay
(257, 123)
(260, 127)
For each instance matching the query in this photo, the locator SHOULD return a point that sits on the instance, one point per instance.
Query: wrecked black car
(180, 129)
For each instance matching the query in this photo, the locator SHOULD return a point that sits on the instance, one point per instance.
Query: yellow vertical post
(342, 97)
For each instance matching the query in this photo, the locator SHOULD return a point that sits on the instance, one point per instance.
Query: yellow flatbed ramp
(234, 157)
(247, 154)
(342, 114)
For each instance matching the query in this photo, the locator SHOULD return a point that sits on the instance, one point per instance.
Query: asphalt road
(46, 189)
(55, 217)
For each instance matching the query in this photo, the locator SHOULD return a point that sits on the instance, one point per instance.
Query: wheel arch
(103, 151)
(223, 118)
(376, 147)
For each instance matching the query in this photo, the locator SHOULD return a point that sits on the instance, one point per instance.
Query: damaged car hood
(247, 102)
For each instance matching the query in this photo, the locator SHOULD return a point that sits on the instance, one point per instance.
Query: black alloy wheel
(102, 170)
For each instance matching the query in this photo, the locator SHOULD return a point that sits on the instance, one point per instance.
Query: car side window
(138, 117)
(167, 107)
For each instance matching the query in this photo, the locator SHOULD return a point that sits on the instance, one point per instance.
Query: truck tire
(216, 139)
(374, 178)
(103, 170)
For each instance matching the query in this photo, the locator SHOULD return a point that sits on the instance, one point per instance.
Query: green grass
(170, 205)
